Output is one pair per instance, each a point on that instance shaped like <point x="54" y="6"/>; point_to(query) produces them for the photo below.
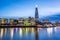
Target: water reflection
<point x="20" y="32"/>
<point x="52" y="33"/>
<point x="11" y="32"/>
<point x="16" y="33"/>
<point x="1" y="33"/>
<point x="49" y="31"/>
<point x="55" y="29"/>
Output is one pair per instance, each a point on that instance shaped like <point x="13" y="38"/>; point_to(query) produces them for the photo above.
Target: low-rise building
<point x="11" y="21"/>
<point x="56" y="24"/>
<point x="21" y="21"/>
<point x="3" y="21"/>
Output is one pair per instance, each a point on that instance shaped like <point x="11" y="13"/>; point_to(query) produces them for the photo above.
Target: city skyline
<point x="26" y="8"/>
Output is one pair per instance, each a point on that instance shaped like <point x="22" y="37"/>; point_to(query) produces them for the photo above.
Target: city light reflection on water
<point x="49" y="31"/>
<point x="14" y="32"/>
<point x="52" y="33"/>
<point x="11" y="32"/>
<point x="1" y="33"/>
<point x="20" y="32"/>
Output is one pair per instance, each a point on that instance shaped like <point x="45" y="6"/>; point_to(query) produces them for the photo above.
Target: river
<point x="52" y="33"/>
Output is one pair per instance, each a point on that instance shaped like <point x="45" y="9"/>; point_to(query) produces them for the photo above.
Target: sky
<point x="26" y="8"/>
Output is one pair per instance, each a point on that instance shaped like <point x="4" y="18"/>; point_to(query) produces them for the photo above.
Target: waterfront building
<point x="32" y="21"/>
<point x="0" y="21"/>
<point x="11" y="21"/>
<point x="21" y="21"/>
<point x="46" y="23"/>
<point x="15" y="22"/>
<point x="56" y="23"/>
<point x="3" y="21"/>
<point x="25" y="22"/>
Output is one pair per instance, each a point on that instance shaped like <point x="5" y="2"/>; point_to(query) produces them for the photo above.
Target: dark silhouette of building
<point x="36" y="13"/>
<point x="36" y="16"/>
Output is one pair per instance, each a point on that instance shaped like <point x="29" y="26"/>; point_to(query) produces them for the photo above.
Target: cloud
<point x="49" y="11"/>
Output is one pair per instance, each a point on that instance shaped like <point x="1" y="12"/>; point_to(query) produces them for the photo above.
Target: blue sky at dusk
<point x="26" y="8"/>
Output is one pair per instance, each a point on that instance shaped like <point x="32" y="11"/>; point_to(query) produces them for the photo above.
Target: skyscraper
<point x="36" y="13"/>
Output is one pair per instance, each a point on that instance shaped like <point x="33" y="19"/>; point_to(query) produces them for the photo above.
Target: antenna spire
<point x="36" y="5"/>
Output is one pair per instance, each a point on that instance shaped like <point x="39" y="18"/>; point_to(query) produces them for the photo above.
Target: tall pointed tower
<point x="36" y="13"/>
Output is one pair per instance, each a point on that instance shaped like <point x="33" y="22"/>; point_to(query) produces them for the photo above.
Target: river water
<point x="52" y="33"/>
